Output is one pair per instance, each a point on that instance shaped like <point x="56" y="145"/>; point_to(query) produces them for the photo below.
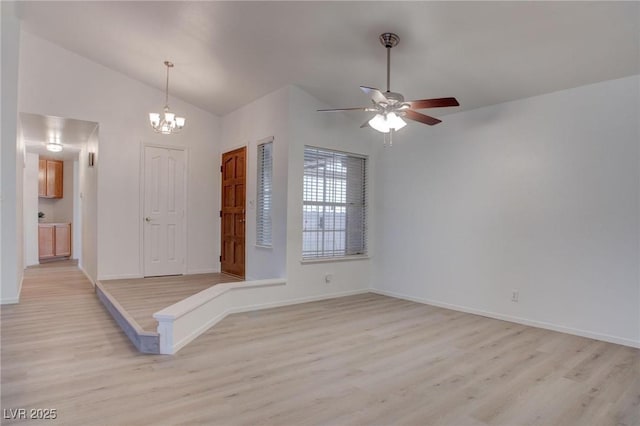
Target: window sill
<point x="262" y="247"/>
<point x="335" y="259"/>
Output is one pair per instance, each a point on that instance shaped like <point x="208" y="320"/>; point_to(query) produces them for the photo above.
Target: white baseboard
<point x="14" y="300"/>
<point x="288" y="302"/>
<point x="518" y="320"/>
<point x="197" y="332"/>
<point x="20" y="282"/>
<point x="86" y="275"/>
<point x="202" y="271"/>
<point x="213" y="321"/>
<point x="120" y="277"/>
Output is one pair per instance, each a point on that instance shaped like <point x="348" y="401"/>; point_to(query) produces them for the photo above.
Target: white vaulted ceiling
<point x="230" y="53"/>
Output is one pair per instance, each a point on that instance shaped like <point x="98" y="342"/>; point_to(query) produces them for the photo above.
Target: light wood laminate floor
<point x="143" y="297"/>
<point x="358" y="360"/>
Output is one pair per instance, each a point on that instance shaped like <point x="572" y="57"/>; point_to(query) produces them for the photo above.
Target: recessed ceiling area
<point x="38" y="129"/>
<point x="228" y="54"/>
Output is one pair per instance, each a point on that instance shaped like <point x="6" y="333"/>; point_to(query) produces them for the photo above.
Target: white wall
<point x="333" y="131"/>
<point x="88" y="206"/>
<point x="76" y="221"/>
<point x="539" y="195"/>
<point x="54" y="81"/>
<point x="31" y="209"/>
<point x="48" y="207"/>
<point x="289" y="115"/>
<point x="11" y="163"/>
<point x="267" y="116"/>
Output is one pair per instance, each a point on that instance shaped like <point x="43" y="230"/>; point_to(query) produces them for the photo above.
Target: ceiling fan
<point x="390" y="107"/>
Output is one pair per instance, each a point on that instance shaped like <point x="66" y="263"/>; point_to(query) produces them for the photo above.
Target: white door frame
<point x="143" y="147"/>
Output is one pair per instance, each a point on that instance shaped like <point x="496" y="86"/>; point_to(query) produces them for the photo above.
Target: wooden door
<point x="63" y="240"/>
<point x="164" y="210"/>
<point x="233" y="212"/>
<point x="46" y="239"/>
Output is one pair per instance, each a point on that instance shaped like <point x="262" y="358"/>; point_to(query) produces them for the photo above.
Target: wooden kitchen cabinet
<point x="46" y="241"/>
<point x="42" y="178"/>
<point x="54" y="240"/>
<point x="50" y="175"/>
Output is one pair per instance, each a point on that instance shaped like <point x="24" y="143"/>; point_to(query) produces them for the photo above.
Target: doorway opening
<point x="60" y="191"/>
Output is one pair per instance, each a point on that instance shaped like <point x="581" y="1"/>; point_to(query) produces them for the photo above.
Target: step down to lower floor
<point x="144" y="341"/>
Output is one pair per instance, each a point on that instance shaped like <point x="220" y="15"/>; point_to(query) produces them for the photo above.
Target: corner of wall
<point x="11" y="161"/>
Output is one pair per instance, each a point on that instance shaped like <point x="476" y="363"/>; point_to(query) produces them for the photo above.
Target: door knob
<point x="147" y="219"/>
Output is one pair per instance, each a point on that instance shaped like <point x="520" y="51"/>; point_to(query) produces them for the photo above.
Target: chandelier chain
<point x="166" y="91"/>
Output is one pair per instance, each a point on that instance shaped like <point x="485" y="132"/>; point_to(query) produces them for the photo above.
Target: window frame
<point x="361" y="213"/>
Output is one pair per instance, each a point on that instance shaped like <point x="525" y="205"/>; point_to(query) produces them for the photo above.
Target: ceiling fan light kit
<point x="387" y="123"/>
<point x="168" y="123"/>
<point x="390" y="107"/>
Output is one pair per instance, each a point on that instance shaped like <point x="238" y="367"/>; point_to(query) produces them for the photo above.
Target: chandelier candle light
<point x="169" y="123"/>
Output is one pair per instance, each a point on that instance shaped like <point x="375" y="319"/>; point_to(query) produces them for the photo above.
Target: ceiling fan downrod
<point x="389" y="40"/>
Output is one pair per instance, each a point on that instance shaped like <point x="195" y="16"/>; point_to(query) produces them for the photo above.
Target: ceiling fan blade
<point x="434" y="103"/>
<point x="416" y="116"/>
<point x="347" y="109"/>
<point x="375" y="94"/>
<point x="365" y="124"/>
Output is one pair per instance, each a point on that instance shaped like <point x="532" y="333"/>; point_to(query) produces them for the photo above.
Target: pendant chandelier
<point x="169" y="123"/>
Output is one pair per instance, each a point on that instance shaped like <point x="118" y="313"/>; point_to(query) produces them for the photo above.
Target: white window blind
<point x="264" y="194"/>
<point x="334" y="204"/>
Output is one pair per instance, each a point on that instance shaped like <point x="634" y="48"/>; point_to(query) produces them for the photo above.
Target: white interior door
<point x="164" y="204"/>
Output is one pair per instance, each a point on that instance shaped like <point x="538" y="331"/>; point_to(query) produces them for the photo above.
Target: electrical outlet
<point x="514" y="295"/>
<point x="328" y="278"/>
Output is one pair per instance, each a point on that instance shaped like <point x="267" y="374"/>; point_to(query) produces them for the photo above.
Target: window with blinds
<point x="334" y="204"/>
<point x="263" y="202"/>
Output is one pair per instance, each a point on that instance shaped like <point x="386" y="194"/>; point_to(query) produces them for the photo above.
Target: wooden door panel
<point x="228" y="168"/>
<point x="238" y="224"/>
<point x="46" y="238"/>
<point x="227" y="252"/>
<point x="63" y="240"/>
<point x="233" y="212"/>
<point x="42" y="178"/>
<point x="239" y="254"/>
<point x="239" y="195"/>
<point x="227" y="224"/>
<point x="54" y="179"/>
<point x="228" y="196"/>
<point x="239" y="167"/>
<point x="57" y="191"/>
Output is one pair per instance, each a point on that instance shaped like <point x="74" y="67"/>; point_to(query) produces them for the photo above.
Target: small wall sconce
<point x="92" y="159"/>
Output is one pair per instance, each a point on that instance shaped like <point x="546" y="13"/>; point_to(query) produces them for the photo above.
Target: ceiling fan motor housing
<point x="394" y="97"/>
<point x="389" y="40"/>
